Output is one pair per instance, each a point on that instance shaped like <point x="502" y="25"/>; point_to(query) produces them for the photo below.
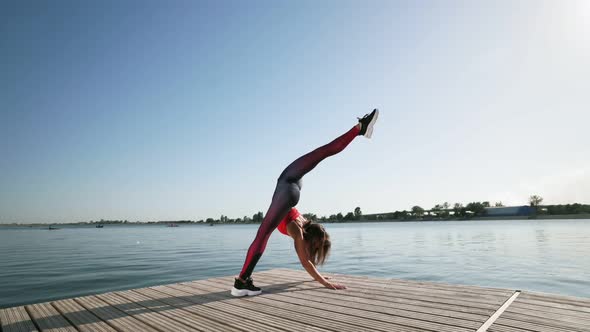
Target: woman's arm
<point x="297" y="235"/>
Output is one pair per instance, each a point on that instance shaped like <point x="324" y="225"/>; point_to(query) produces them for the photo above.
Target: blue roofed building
<point x="506" y="211"/>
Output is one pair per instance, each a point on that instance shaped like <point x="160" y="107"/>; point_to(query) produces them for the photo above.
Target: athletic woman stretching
<point x="312" y="243"/>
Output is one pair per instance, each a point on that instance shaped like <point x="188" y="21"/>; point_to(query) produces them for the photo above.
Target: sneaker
<point x="245" y="288"/>
<point x="367" y="122"/>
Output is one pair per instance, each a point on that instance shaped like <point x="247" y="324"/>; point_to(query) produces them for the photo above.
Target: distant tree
<point x="477" y="208"/>
<point x="486" y="204"/>
<point x="210" y="220"/>
<point x="535" y="200"/>
<point x="446" y="205"/>
<point x="498" y="204"/>
<point x="437" y="210"/>
<point x="333" y="217"/>
<point x="339" y="216"/>
<point x="458" y="210"/>
<point x="400" y="215"/>
<point x="310" y="216"/>
<point x="349" y="216"/>
<point x="257" y="217"/>
<point x="358" y="214"/>
<point x="417" y="211"/>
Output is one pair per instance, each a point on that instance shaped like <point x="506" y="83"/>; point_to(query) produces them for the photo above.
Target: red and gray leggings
<point x="286" y="195"/>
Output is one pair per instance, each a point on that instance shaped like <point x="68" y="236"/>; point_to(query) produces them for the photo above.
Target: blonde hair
<point x="317" y="242"/>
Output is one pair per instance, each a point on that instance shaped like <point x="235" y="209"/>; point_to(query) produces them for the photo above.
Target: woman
<point x="312" y="243"/>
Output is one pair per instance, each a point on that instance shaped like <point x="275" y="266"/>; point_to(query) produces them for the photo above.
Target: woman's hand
<point x="332" y="285"/>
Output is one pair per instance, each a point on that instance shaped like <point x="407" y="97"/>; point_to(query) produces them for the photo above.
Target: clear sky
<point x="163" y="110"/>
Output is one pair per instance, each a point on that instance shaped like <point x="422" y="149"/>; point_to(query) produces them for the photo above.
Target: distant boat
<point x="52" y="228"/>
<point x="172" y="225"/>
<point x="99" y="226"/>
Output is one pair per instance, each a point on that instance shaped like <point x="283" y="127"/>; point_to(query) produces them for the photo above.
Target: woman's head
<point x="318" y="243"/>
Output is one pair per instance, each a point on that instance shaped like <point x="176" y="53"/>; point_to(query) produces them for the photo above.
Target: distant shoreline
<point x="538" y="217"/>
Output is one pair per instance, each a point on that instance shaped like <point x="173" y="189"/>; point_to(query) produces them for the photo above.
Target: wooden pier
<point x="292" y="302"/>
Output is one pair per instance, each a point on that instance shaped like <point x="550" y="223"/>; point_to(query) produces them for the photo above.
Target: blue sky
<point x="145" y="110"/>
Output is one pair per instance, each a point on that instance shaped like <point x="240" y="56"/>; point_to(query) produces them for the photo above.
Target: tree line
<point x="443" y="211"/>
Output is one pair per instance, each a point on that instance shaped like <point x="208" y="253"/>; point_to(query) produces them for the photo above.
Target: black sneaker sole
<point x="369" y="131"/>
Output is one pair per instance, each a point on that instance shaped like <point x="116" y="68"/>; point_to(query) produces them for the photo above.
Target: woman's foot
<point x="243" y="288"/>
<point x="367" y="122"/>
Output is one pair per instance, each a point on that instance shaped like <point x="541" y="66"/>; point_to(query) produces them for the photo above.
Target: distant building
<point x="507" y="211"/>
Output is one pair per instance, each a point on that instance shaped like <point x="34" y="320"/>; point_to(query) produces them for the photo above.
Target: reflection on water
<point x="548" y="256"/>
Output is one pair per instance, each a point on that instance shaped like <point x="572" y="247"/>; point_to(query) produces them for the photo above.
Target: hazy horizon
<point x="189" y="110"/>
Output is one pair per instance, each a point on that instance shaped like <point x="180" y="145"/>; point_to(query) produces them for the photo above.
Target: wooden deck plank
<point x="417" y="284"/>
<point x="492" y="299"/>
<point x="390" y="301"/>
<point x="324" y="320"/>
<point x="48" y="319"/>
<point x="113" y="316"/>
<point x="224" y="299"/>
<point x="238" y="312"/>
<point x="551" y="321"/>
<point x="397" y="301"/>
<point x="472" y="303"/>
<point x="556" y="302"/>
<point x="583" y="302"/>
<point x="292" y="301"/>
<point x="16" y="319"/>
<point x="81" y="318"/>
<point x="149" y="317"/>
<point x="356" y="319"/>
<point x="545" y="313"/>
<point x="359" y="314"/>
<point x="518" y="309"/>
<point x="368" y="284"/>
<point x="199" y="322"/>
<point x="178" y="301"/>
<point x="307" y="291"/>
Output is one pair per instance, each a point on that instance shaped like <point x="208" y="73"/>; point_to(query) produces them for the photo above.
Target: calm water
<point x="549" y="256"/>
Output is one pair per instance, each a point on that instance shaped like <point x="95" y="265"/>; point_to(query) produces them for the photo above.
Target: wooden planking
<point x="320" y="313"/>
<point x="178" y="301"/>
<point x="356" y="300"/>
<point x="483" y="302"/>
<point x="416" y="303"/>
<point x="16" y="319"/>
<point x="239" y="314"/>
<point x="351" y="307"/>
<point x="114" y="317"/>
<point x="321" y="319"/>
<point x="48" y="319"/>
<point x="399" y="300"/>
<point x="291" y="300"/>
<point x="84" y="320"/>
<point x="357" y="315"/>
<point x="147" y="316"/>
<point x="583" y="302"/>
<point x="478" y="290"/>
<point x="492" y="299"/>
<point x="550" y="303"/>
<point x="420" y="295"/>
<point x="545" y="313"/>
<point x="201" y="323"/>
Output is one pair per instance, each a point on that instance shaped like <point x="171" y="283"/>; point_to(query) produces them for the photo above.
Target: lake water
<point x="39" y="265"/>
